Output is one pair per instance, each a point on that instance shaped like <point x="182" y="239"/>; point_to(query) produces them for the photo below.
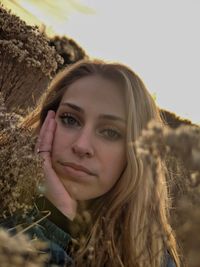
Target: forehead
<point x="96" y="91"/>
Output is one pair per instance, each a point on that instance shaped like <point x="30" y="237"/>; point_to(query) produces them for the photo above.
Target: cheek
<point x="114" y="164"/>
<point x="60" y="142"/>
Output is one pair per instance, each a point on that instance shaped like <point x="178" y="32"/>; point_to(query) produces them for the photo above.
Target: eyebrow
<point x="103" y="116"/>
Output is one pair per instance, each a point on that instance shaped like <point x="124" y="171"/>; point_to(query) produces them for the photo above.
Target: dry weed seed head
<point x="183" y="142"/>
<point x="70" y="50"/>
<point x="26" y="43"/>
<point x="21" y="170"/>
<point x="19" y="251"/>
<point x="27" y="61"/>
<point x="182" y="147"/>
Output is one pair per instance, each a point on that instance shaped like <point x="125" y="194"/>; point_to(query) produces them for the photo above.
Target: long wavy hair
<point x="130" y="224"/>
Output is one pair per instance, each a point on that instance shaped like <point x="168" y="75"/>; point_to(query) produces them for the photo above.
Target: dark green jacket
<point x="52" y="230"/>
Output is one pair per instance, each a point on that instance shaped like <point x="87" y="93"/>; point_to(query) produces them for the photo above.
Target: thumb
<point x="56" y="192"/>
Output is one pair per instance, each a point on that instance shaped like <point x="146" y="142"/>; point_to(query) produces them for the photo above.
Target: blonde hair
<point x="130" y="222"/>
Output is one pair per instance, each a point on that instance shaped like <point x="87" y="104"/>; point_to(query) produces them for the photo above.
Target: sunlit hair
<point x="130" y="222"/>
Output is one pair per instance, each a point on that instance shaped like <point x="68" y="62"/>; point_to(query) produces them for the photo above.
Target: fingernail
<point x="51" y="113"/>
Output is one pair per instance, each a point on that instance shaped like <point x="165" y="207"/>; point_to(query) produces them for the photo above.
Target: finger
<point x="50" y="115"/>
<point x="57" y="194"/>
<point x="47" y="140"/>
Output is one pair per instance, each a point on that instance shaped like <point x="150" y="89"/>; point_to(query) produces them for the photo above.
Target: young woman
<point x="89" y="120"/>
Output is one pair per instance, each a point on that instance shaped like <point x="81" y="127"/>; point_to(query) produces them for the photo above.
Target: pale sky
<point x="159" y="39"/>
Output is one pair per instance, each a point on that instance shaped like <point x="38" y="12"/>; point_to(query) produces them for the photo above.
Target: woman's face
<point x="88" y="152"/>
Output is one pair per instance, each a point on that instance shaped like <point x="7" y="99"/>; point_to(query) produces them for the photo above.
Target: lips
<point x="78" y="168"/>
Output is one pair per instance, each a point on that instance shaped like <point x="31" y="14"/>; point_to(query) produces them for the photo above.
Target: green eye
<point x="69" y="120"/>
<point x="111" y="134"/>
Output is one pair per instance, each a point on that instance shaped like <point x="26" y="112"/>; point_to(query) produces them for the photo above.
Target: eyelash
<point x="67" y="116"/>
<point x="116" y="136"/>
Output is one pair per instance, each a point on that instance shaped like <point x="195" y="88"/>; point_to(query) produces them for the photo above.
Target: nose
<point x="82" y="146"/>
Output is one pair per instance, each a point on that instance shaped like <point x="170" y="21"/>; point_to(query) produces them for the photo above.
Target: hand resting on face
<point x="54" y="191"/>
